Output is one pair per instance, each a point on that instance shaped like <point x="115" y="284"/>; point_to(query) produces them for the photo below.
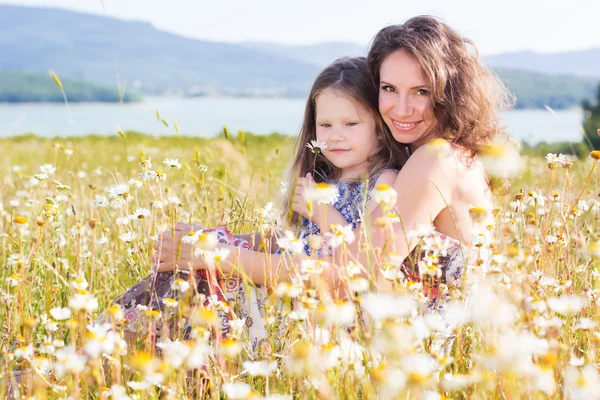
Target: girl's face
<point x="349" y="130"/>
<point x="405" y="99"/>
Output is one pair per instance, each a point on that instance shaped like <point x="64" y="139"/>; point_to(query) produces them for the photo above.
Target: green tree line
<point x="23" y="87"/>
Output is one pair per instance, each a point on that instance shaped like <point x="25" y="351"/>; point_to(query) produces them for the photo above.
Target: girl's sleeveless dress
<point x="248" y="303"/>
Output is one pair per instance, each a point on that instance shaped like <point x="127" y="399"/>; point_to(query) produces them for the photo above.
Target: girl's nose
<point x="336" y="136"/>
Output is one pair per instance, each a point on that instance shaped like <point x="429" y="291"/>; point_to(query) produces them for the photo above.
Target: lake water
<point x="205" y="117"/>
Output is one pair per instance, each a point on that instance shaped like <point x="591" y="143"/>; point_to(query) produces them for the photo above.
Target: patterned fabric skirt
<point x="228" y="295"/>
<point x="451" y="265"/>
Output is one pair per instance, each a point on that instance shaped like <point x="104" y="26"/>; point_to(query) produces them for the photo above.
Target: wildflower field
<point x="78" y="218"/>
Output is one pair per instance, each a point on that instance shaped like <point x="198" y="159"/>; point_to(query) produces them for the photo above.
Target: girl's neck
<point x="353" y="174"/>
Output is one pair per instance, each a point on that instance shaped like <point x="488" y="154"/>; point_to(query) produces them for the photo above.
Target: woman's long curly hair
<point x="466" y="96"/>
<point x="349" y="77"/>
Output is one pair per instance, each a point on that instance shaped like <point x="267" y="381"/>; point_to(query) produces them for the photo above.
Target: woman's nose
<point x="402" y="107"/>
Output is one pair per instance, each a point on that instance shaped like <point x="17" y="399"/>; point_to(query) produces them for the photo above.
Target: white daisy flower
<point x="173" y="163"/>
<point x="317" y="147"/>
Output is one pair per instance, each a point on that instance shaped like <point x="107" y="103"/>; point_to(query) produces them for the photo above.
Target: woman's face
<point x="405" y="99"/>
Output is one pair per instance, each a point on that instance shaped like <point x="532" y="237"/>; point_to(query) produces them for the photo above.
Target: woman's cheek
<point x="384" y="103"/>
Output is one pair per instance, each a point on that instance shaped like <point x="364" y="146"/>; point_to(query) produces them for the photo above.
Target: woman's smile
<point x="404" y="126"/>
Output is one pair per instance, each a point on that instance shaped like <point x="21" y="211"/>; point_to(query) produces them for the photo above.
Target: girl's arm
<point x="255" y="238"/>
<point x="423" y="187"/>
<point x="260" y="268"/>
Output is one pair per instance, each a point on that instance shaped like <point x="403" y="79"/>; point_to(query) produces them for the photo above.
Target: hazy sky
<point x="495" y="26"/>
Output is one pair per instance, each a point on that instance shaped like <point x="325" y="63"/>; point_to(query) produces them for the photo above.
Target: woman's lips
<point x="404" y="126"/>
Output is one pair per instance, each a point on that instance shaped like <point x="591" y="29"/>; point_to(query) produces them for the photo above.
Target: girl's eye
<point x="422" y="92"/>
<point x="388" y="88"/>
<point x="326" y="125"/>
<point x="351" y="124"/>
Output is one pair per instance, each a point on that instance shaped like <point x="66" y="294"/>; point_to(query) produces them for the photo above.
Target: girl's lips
<point x="404" y="126"/>
<point x="338" y="150"/>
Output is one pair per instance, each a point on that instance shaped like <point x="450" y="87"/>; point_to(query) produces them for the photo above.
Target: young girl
<point x="356" y="153"/>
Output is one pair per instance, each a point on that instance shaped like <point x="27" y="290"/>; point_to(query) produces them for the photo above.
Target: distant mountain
<point x="584" y="62"/>
<point x="92" y="48"/>
<point x="531" y="89"/>
<point x="27" y="87"/>
<point x="536" y="90"/>
<point x="320" y="54"/>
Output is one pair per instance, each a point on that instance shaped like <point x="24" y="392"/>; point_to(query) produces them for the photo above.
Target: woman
<point x="436" y="97"/>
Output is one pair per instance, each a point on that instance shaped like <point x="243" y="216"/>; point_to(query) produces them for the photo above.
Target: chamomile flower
<point x="567" y="305"/>
<point x="290" y="243"/>
<point x="83" y="301"/>
<point x="237" y="390"/>
<point x="128" y="237"/>
<point x="313" y="266"/>
<point x="384" y="306"/>
<point x="385" y="195"/>
<point x="173" y="163"/>
<point x="317" y="147"/>
<point x="339" y="234"/>
<point x="582" y="383"/>
<point x="180" y="285"/>
<point x="502" y="159"/>
<point x="169" y="302"/>
<point x="216" y="256"/>
<point x="120" y="190"/>
<point x="322" y="193"/>
<point x="204" y="240"/>
<point x="140" y="213"/>
<point x="47" y="169"/>
<point x="60" y="314"/>
<point x="260" y="368"/>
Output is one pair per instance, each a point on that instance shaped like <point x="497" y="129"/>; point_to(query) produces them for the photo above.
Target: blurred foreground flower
<point x="322" y="193"/>
<point x="384" y="195"/>
<point x="566" y="305"/>
<point x="501" y="159"/>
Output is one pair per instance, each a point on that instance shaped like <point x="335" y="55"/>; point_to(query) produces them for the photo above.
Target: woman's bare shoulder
<point x="439" y="156"/>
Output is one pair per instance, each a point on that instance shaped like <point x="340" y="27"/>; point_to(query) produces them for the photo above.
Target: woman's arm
<point x="424" y="188"/>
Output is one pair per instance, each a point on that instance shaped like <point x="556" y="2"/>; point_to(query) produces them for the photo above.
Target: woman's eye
<point x="388" y="88"/>
<point x="422" y="92"/>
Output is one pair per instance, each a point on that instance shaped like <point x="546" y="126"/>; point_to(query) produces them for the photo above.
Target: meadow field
<point x="78" y="218"/>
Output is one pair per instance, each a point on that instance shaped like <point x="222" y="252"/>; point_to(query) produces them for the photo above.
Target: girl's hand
<point x="172" y="253"/>
<point x="183" y="227"/>
<point x="299" y="205"/>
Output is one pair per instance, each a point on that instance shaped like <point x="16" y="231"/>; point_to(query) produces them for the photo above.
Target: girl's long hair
<point x="349" y="77"/>
<point x="466" y="96"/>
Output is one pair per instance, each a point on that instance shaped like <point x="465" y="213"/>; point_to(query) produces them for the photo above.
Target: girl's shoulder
<point x="386" y="177"/>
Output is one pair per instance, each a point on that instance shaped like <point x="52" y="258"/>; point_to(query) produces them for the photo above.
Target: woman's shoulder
<point x="440" y="153"/>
